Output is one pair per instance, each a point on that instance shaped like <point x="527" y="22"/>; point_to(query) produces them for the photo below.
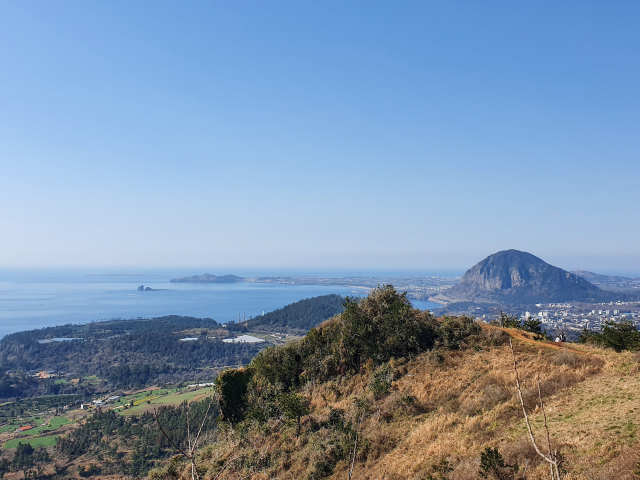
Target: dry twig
<point x="552" y="459"/>
<point x="191" y="450"/>
<point x="355" y="447"/>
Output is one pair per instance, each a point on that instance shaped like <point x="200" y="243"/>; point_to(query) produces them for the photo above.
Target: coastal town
<point x="574" y="318"/>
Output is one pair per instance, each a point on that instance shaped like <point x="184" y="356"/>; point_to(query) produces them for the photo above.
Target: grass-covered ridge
<point x="426" y="398"/>
<point x="371" y="337"/>
<point x="370" y="332"/>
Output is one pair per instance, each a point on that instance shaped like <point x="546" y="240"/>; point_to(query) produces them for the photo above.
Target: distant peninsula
<point x="417" y="288"/>
<point x="208" y="278"/>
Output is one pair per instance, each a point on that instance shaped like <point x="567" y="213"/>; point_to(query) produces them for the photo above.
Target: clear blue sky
<point x="328" y="135"/>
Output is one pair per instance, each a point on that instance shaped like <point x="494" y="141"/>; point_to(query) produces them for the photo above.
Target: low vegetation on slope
<point x="384" y="391"/>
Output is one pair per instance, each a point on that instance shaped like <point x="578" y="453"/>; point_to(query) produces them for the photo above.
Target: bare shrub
<point x="472" y="341"/>
<point x="496" y="394"/>
<point x="565" y="357"/>
<point x="380" y="441"/>
<point x="549" y="386"/>
<point x="494" y="337"/>
<point x="523" y="453"/>
<point x="393" y="476"/>
<point x="552" y="458"/>
<point x="435" y="356"/>
<point x="490" y="397"/>
<point x="465" y="470"/>
<point x="559" y="381"/>
<point x="472" y="406"/>
<point x="494" y="380"/>
<point x="451" y="406"/>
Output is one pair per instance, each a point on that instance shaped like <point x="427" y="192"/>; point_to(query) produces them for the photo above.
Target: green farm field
<point x="157" y="400"/>
<point x="52" y="425"/>
<point x="48" y="441"/>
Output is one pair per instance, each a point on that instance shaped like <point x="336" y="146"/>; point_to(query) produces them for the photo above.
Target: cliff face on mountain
<point x="515" y="277"/>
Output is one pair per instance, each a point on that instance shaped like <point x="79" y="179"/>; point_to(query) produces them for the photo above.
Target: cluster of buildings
<point x="100" y="402"/>
<point x="41" y="374"/>
<point x="565" y="317"/>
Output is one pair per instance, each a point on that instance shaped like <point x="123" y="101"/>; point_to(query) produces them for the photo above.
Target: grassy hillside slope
<point x="443" y="409"/>
<point x="464" y="402"/>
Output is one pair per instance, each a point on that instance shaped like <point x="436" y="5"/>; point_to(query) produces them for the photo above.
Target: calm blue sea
<point x="35" y="299"/>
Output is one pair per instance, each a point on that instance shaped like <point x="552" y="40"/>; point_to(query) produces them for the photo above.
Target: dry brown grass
<point x="463" y="402"/>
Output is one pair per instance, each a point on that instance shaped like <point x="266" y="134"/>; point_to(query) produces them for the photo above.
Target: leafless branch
<point x="544" y="415"/>
<point x="190" y="453"/>
<point x="155" y="413"/>
<point x="195" y="443"/>
<point x="188" y="431"/>
<point x="355" y="447"/>
<point x="553" y="463"/>
<point x="224" y="467"/>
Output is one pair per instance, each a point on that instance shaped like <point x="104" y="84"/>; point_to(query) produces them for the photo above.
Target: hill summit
<point x="514" y="277"/>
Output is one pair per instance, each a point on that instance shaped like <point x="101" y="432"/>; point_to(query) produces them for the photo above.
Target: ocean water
<point x="36" y="299"/>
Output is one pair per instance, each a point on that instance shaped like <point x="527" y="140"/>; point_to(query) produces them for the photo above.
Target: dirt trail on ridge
<point x="523" y="337"/>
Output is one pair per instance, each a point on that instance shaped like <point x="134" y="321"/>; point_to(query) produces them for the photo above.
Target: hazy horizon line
<point x="249" y="272"/>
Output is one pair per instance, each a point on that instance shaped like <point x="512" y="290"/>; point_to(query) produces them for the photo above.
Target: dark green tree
<point x="381" y="326"/>
<point x="508" y="321"/>
<point x="492" y="463"/>
<point x="622" y="335"/>
<point x="442" y="470"/>
<point x="294" y="407"/>
<point x="532" y="325"/>
<point x="232" y="385"/>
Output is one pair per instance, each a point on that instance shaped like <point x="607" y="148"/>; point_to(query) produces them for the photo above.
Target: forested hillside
<point x="123" y="353"/>
<point x="299" y="316"/>
<point x="109" y="443"/>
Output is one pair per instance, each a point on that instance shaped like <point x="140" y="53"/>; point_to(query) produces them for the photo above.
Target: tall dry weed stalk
<point x="191" y="444"/>
<point x="551" y="458"/>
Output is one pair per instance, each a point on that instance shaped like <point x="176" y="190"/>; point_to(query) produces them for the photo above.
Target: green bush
<point x="90" y="471"/>
<point x="369" y="333"/>
<point x="262" y="400"/>
<point x="506" y="320"/>
<point x="336" y="418"/>
<point x="619" y="336"/>
<point x="492" y="463"/>
<point x="280" y="366"/>
<point x="453" y="330"/>
<point x="532" y="325"/>
<point x="380" y="383"/>
<point x="294" y="407"/>
<point x="442" y="470"/>
<point x="377" y="328"/>
<point x="232" y="386"/>
<point x="381" y="326"/>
